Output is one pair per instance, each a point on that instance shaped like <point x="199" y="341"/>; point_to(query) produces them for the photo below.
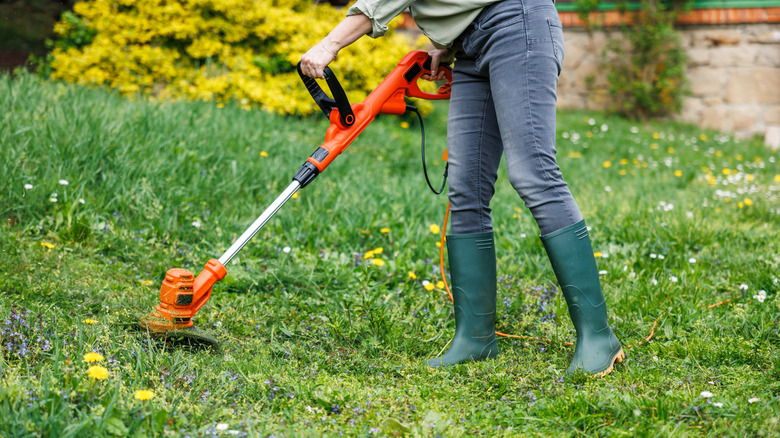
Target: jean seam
<point x="482" y="226"/>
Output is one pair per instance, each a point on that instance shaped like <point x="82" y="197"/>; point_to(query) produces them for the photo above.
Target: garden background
<point x="327" y="316"/>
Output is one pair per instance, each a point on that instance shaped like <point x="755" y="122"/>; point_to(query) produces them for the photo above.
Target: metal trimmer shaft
<point x="259" y="222"/>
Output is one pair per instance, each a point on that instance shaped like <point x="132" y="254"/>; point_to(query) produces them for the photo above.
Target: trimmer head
<point x="181" y="296"/>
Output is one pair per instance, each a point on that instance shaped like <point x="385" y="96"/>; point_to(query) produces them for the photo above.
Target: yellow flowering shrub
<point x="243" y="51"/>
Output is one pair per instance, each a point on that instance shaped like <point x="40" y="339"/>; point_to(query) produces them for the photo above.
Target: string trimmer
<point x="182" y="294"/>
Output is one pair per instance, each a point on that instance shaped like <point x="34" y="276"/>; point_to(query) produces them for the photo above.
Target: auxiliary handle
<point x="326" y="104"/>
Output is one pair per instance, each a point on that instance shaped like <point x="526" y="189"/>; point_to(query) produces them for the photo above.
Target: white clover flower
<point x="706" y="394"/>
<point x="196" y="224"/>
<point x="63" y="182"/>
<point x="286" y="249"/>
<point x="28" y="186"/>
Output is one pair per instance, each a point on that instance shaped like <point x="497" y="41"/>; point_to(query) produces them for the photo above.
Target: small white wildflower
<point x="706" y="394"/>
<point x="523" y="235"/>
<point x="752" y="400"/>
<point x="53" y="199"/>
<point x="743" y="287"/>
<point x="607" y="188"/>
<point x="661" y="257"/>
<point x="718" y="405"/>
<point x="761" y="296"/>
<point x="63" y="182"/>
<point x="673" y="279"/>
<point x="602" y="272"/>
<point x="654" y="282"/>
<point x="286" y="249"/>
<point x="604" y="127"/>
<point x="691" y="260"/>
<point x="689" y="214"/>
<point x="565" y="135"/>
<point x="653" y="255"/>
<point x="234" y="432"/>
<point x="425" y="283"/>
<point x="591" y="122"/>
<point x="222" y="426"/>
<point x="655" y="358"/>
<point x="82" y="201"/>
<point x="634" y="130"/>
<point x="28" y="186"/>
<point x="196" y="224"/>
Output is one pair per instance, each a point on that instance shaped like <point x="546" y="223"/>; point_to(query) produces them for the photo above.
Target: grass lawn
<point x="99" y="196"/>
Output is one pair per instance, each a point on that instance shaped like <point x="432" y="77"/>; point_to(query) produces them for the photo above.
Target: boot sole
<point x="617" y="359"/>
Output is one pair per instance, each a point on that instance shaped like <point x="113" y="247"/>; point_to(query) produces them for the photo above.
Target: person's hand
<point x="314" y="61"/>
<point x="438" y="56"/>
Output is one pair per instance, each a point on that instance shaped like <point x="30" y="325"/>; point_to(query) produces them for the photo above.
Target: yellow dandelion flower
<point x="703" y="137"/>
<point x="750" y="177"/>
<point x="623" y="161"/>
<point x="777" y="178"/>
<point x="438" y="244"/>
<point x="295" y="195"/>
<point x="47" y="245"/>
<point x="412" y="275"/>
<point x="384" y="230"/>
<point x="757" y="159"/>
<point x="143" y="394"/>
<point x="93" y="357"/>
<point x="589" y="134"/>
<point x="607" y="164"/>
<point x="678" y="173"/>
<point x="97" y="372"/>
<point x="146" y="283"/>
<point x="429" y="286"/>
<point x="748" y="202"/>
<point x="656" y="135"/>
<point x="739" y="157"/>
<point x="378" y="262"/>
<point x="654" y="146"/>
<point x="435" y="229"/>
<point x="597" y="254"/>
<point x="378" y="251"/>
<point x="670" y="150"/>
<point x="263" y="154"/>
<point x="740" y="204"/>
<point x="89" y="321"/>
<point x="575" y="154"/>
<point x="726" y="171"/>
<point x="440" y="284"/>
<point x="368" y="255"/>
<point x="405" y="125"/>
<point x="622" y="172"/>
<point x="718" y="154"/>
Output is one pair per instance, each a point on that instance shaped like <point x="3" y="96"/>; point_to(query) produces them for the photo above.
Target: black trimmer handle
<point x="326" y="104"/>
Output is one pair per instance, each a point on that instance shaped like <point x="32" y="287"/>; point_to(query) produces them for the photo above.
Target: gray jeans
<point x="503" y="101"/>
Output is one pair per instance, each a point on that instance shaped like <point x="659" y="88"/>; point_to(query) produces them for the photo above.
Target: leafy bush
<point x="646" y="65"/>
<point x="224" y="50"/>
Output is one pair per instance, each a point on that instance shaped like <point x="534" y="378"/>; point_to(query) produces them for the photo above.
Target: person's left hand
<point x="438" y="57"/>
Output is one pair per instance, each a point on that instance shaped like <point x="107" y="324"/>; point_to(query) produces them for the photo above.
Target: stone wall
<point x="733" y="73"/>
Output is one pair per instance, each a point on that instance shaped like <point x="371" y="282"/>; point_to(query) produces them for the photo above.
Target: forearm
<point x="349" y="30"/>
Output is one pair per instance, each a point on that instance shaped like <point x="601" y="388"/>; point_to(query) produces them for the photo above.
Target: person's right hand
<point x="438" y="56"/>
<point x="314" y="61"/>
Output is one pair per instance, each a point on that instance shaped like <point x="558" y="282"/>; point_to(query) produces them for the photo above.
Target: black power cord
<point x="422" y="151"/>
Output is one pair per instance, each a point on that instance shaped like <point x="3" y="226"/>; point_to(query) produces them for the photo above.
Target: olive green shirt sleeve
<point x="380" y="12"/>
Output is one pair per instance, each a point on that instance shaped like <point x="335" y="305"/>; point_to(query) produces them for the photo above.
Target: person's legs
<point x="522" y="57"/>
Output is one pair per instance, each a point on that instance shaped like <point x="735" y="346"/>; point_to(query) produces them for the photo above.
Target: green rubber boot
<point x="473" y="269"/>
<point x="571" y="255"/>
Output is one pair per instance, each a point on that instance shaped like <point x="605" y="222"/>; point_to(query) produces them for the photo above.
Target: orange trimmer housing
<point x="182" y="294"/>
